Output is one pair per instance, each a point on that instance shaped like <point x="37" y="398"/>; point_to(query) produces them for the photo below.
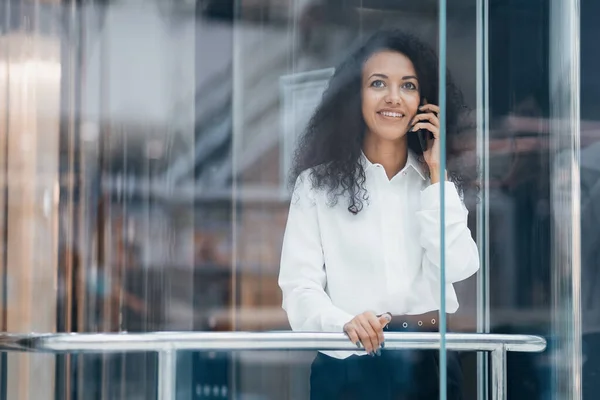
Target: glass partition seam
<point x="4" y="135"/>
<point x="442" y="117"/>
<point x="83" y="212"/>
<point x="102" y="214"/>
<point x="237" y="116"/>
<point x="237" y="126"/>
<point x="4" y="195"/>
<point x="70" y="90"/>
<point x="482" y="106"/>
<point x="70" y="102"/>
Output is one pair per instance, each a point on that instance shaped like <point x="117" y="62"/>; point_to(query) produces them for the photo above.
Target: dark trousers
<point x="591" y="366"/>
<point x="395" y="375"/>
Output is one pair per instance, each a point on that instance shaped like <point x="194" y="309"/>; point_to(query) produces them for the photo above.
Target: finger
<point x="427" y="117"/>
<point x="428" y="126"/>
<point x="350" y="331"/>
<point x="366" y="334"/>
<point x="372" y="333"/>
<point x="430" y="107"/>
<point x="378" y="328"/>
<point x="364" y="338"/>
<point x="385" y="319"/>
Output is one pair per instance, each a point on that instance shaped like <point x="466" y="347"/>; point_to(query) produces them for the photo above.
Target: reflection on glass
<point x="145" y="156"/>
<point x="589" y="190"/>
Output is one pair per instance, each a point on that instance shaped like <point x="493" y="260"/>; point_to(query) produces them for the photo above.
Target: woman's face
<point x="390" y="95"/>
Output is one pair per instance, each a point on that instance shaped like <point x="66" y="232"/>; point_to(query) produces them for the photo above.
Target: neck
<point x="392" y="155"/>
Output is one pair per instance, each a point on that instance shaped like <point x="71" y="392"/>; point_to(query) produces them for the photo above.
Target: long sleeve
<point x="302" y="275"/>
<point x="462" y="257"/>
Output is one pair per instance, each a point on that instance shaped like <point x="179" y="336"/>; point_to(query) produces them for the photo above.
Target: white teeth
<point x="392" y="114"/>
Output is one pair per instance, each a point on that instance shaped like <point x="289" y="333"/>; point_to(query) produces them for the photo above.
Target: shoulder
<point x="309" y="179"/>
<point x="304" y="191"/>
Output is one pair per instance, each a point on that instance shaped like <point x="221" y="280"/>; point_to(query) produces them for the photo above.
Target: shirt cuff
<point x="430" y="196"/>
<point x="336" y="320"/>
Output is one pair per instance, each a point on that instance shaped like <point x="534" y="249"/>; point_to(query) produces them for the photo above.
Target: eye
<point x="378" y="83"/>
<point x="409" y="86"/>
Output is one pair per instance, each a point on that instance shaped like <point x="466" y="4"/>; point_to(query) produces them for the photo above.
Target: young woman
<point x="361" y="250"/>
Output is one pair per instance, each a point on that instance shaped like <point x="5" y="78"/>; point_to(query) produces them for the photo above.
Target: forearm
<point x="461" y="255"/>
<point x="312" y="310"/>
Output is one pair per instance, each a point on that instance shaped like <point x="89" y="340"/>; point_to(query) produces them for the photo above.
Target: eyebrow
<point x="386" y="77"/>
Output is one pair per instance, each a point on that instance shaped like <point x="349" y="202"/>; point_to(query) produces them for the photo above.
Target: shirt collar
<point x="411" y="161"/>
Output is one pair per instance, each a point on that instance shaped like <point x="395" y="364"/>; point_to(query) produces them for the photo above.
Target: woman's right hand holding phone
<point x="366" y="330"/>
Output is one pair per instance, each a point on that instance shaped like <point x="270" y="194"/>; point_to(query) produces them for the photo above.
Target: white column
<point x="30" y="76"/>
<point x="565" y="196"/>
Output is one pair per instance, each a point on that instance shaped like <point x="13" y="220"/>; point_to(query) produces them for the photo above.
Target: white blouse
<point x="336" y="265"/>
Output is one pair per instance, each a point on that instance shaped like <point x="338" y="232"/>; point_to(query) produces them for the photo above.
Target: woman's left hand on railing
<point x="366" y="330"/>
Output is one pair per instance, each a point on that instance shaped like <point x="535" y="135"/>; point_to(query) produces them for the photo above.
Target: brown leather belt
<point x="428" y="322"/>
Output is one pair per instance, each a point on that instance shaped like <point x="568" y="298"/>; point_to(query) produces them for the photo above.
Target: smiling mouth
<point x="391" y="114"/>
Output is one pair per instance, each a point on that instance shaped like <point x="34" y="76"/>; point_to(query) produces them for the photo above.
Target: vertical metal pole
<point x="167" y="375"/>
<point x="442" y="115"/>
<point x="499" y="373"/>
<point x="564" y="70"/>
<point x="483" y="140"/>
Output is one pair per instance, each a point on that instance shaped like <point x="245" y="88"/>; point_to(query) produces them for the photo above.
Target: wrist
<point x="434" y="175"/>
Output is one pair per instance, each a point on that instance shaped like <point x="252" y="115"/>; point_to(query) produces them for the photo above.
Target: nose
<point x="392" y="96"/>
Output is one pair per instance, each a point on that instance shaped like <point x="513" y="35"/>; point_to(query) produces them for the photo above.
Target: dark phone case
<point x="423" y="135"/>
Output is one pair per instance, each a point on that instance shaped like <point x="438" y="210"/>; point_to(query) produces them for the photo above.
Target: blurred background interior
<point x="144" y="150"/>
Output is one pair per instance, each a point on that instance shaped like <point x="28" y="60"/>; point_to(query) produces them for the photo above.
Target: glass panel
<point x="530" y="198"/>
<point x="146" y="153"/>
<point x="589" y="191"/>
<point x="518" y="190"/>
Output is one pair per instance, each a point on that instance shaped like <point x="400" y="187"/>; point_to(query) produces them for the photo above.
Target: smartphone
<point x="423" y="134"/>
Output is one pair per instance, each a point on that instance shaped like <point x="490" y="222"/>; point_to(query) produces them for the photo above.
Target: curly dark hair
<point x="332" y="143"/>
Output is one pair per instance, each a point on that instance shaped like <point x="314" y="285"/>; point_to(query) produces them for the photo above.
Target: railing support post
<point x="499" y="373"/>
<point x="167" y="374"/>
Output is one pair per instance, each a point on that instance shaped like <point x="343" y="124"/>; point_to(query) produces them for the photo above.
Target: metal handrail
<point x="168" y="343"/>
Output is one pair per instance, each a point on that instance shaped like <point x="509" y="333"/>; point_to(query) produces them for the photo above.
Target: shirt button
<point x="404" y="173"/>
